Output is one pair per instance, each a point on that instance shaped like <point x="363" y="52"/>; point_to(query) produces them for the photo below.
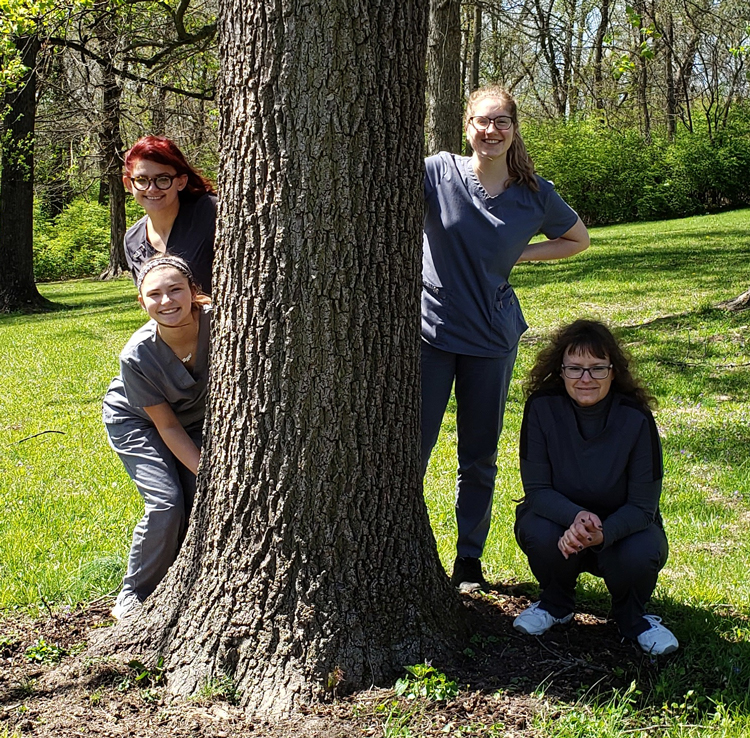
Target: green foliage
<point x="426" y="682"/>
<point x="45" y="653"/>
<point x="610" y="176"/>
<point x="75" y="244"/>
<point x="143" y="676"/>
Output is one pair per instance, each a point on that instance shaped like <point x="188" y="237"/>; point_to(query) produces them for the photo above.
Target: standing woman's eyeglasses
<point x="482" y="122"/>
<point x="162" y="182"/>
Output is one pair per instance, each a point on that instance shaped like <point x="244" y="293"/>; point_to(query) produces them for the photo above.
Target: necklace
<point x="187" y="358"/>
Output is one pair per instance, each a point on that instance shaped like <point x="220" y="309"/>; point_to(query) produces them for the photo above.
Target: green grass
<point x="69" y="508"/>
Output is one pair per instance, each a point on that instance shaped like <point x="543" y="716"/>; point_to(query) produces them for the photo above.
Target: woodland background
<point x="636" y="111"/>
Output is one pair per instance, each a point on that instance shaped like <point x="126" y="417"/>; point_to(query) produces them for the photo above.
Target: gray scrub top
<point x="471" y="243"/>
<point x="151" y="374"/>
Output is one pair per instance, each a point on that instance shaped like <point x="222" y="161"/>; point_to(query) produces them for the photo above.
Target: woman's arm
<point x="174" y="435"/>
<point x="573" y="241"/>
<point x="536" y="472"/>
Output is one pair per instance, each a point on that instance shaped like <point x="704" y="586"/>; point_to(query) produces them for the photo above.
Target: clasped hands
<point x="585" y="531"/>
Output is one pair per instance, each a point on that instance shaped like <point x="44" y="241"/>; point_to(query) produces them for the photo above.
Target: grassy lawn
<point x="69" y="508"/>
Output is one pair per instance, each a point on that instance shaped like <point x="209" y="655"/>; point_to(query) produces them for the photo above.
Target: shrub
<point x="612" y="176"/>
<point x="75" y="244"/>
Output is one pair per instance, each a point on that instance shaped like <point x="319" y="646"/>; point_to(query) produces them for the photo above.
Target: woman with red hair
<point x="180" y="207"/>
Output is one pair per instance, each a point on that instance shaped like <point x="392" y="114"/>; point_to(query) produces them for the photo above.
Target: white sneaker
<point x="534" y="620"/>
<point x="657" y="640"/>
<point x="126" y="603"/>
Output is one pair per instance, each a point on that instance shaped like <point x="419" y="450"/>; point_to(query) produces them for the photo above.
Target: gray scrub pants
<point x="629" y="567"/>
<point x="168" y="490"/>
<point x="481" y="387"/>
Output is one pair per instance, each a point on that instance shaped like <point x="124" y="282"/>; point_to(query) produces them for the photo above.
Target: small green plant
<point x="45" y="653"/>
<point x="145" y="676"/>
<point x="219" y="689"/>
<point x="26" y="686"/>
<point x="425" y="681"/>
<point x="7" y="643"/>
<point x="141" y="675"/>
<point x="396" y="723"/>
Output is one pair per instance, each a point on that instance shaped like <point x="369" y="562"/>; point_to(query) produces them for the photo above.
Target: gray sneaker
<point x="534" y="620"/>
<point x="127" y="603"/>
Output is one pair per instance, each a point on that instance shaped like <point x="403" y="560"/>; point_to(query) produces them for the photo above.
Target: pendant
<point x="187" y="358"/>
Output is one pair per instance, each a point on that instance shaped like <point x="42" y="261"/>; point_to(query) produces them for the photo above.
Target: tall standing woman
<point x="481" y="213"/>
<point x="180" y="207"/>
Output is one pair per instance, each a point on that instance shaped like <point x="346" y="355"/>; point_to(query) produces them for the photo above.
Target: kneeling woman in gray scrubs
<point x="591" y="467"/>
<point x="154" y="414"/>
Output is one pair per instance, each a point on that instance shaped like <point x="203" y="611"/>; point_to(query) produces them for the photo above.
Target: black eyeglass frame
<point x="149" y="180"/>
<point x="583" y="369"/>
<point x="493" y="121"/>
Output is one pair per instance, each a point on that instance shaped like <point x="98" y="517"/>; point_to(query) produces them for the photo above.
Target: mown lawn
<point x="69" y="508"/>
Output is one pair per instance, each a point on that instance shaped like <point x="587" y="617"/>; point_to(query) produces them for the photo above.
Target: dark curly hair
<point x="595" y="338"/>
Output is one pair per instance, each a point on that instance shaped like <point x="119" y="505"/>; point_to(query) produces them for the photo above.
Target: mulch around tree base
<point x="501" y="675"/>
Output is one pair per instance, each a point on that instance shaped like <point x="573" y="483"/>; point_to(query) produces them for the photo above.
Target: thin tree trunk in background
<point x="601" y="32"/>
<point x="443" y="123"/>
<point x="309" y="566"/>
<point x="476" y="51"/>
<point x="18" y="289"/>
<point x="110" y="139"/>
<point x="642" y="74"/>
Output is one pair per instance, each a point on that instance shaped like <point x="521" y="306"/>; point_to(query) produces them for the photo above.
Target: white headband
<point x="163" y="261"/>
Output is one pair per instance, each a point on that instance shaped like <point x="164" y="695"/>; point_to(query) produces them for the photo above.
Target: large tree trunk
<point x="17" y="287"/>
<point x="444" y="103"/>
<point x="309" y="566"/>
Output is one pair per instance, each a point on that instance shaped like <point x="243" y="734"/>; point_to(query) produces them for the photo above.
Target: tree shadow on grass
<point x="587" y="660"/>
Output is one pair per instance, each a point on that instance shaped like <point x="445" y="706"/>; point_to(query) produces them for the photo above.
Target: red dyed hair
<point x="164" y="151"/>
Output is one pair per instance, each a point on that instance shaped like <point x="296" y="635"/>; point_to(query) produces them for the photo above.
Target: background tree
<point x="17" y="287"/>
<point x="309" y="565"/>
<point x="443" y="127"/>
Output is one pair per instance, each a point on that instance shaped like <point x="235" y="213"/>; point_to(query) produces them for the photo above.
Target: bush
<point x="612" y="176"/>
<point x="75" y="244"/>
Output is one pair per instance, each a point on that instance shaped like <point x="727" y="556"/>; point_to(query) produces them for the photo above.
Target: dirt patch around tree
<point x="49" y="687"/>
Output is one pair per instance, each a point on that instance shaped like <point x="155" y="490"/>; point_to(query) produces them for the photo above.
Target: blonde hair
<point x="520" y="165"/>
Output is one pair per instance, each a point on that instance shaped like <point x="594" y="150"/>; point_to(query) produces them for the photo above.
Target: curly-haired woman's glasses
<point x="595" y="372"/>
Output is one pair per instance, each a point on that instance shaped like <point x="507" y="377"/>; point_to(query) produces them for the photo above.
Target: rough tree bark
<point x="309" y="566"/>
<point x="17" y="287"/>
<point x="741" y="302"/>
<point x="444" y="102"/>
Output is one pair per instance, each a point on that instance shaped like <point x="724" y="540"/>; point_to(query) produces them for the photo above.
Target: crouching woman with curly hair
<point x="591" y="467"/>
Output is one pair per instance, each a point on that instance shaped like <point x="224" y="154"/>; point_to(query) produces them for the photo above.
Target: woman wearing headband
<point x="180" y="207"/>
<point x="153" y="413"/>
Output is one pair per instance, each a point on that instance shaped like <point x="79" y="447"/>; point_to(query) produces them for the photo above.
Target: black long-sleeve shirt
<point x="191" y="238"/>
<point x="616" y="473"/>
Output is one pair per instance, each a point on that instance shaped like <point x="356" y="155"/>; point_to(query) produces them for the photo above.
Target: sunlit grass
<point x="69" y="508"/>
